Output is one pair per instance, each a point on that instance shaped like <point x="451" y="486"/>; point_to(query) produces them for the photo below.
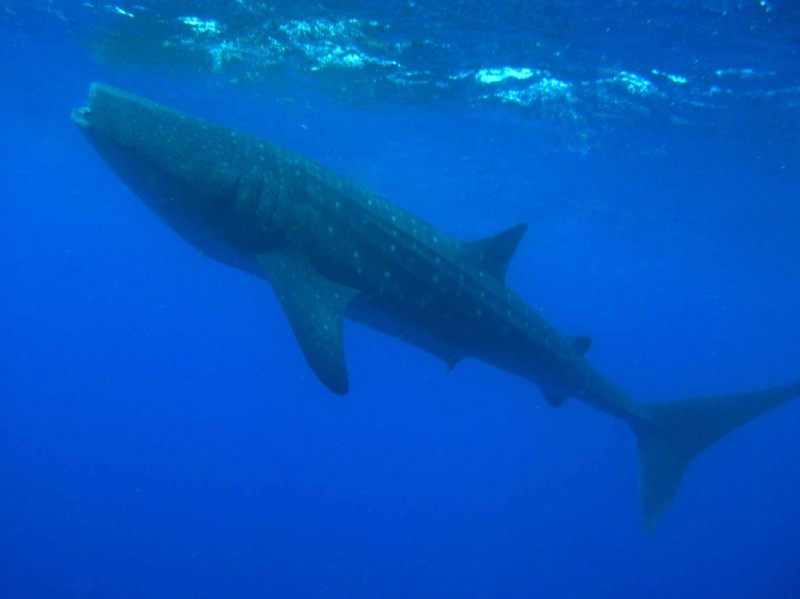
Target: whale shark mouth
<point x="80" y="116"/>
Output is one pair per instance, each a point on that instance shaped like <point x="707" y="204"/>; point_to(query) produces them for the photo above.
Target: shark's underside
<point x="332" y="250"/>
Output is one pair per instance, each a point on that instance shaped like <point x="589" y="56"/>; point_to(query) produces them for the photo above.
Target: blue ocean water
<point x="160" y="433"/>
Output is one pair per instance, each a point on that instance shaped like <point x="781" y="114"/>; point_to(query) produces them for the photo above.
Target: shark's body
<point x="331" y="249"/>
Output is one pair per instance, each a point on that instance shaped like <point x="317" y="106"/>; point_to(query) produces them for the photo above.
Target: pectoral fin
<point x="315" y="308"/>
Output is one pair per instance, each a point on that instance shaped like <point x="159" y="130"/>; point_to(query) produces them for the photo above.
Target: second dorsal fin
<point x="582" y="343"/>
<point x="493" y="254"/>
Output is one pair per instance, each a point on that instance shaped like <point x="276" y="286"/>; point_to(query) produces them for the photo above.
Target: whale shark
<point x="332" y="249"/>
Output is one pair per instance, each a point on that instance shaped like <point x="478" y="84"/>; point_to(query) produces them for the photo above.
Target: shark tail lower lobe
<point x="677" y="432"/>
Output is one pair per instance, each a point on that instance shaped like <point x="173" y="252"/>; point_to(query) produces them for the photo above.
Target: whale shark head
<point x="80" y="116"/>
<point x="129" y="134"/>
<point x="199" y="177"/>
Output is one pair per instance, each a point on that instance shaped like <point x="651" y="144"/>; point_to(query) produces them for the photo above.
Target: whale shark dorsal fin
<point x="315" y="308"/>
<point x="493" y="254"/>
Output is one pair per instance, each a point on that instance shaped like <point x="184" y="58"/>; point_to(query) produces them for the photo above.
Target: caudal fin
<point x="679" y="431"/>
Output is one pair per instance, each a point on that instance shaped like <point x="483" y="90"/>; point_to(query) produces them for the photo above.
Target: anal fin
<point x="554" y="396"/>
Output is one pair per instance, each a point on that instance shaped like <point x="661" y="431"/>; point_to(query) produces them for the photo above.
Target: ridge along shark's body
<point x="331" y="249"/>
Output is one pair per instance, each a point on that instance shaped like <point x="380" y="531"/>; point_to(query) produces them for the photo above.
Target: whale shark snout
<point x="80" y="116"/>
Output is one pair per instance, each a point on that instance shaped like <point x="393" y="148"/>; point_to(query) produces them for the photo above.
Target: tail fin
<point x="679" y="431"/>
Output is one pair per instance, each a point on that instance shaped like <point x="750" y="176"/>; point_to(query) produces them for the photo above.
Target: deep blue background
<point x="161" y="436"/>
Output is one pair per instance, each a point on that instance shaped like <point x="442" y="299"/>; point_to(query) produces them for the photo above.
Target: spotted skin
<point x="332" y="249"/>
